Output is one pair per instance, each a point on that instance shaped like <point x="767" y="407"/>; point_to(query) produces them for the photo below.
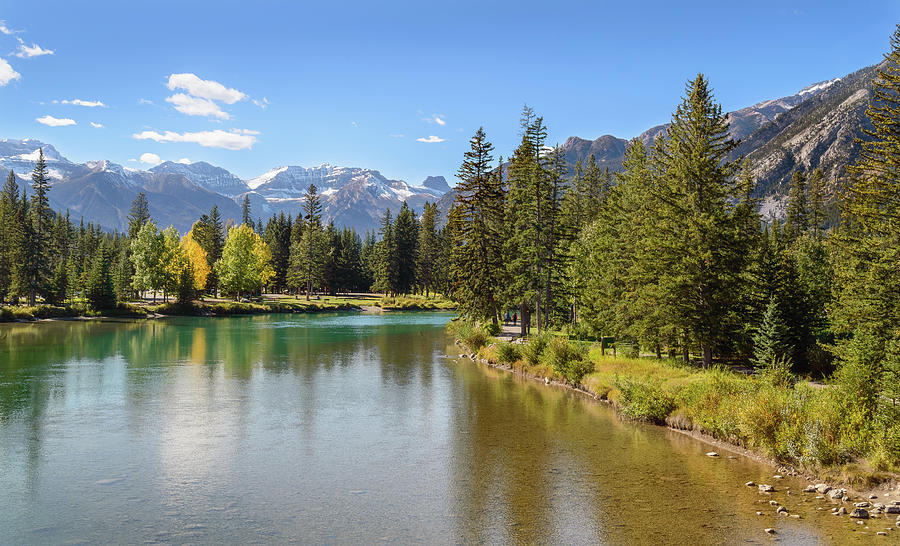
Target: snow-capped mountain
<point x="350" y="196"/>
<point x="215" y="179"/>
<point x="102" y="191"/>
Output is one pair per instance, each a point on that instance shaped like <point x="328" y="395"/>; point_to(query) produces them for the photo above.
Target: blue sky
<point x="395" y="86"/>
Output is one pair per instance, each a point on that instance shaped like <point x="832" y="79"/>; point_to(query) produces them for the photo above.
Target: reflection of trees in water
<point x="539" y="464"/>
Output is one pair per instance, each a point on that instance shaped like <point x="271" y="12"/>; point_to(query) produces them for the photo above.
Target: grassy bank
<point x="807" y="425"/>
<point x="224" y="308"/>
<point x="415" y="303"/>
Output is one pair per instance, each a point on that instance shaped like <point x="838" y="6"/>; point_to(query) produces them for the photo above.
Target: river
<point x="344" y="428"/>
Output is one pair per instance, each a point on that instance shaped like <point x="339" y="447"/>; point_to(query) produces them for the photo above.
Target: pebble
<point x="781" y="510"/>
<point x="765" y="488"/>
<point x="823" y="488"/>
<point x="770" y="530"/>
<point x="750" y="484"/>
<point x="842" y="511"/>
<point x="795" y="516"/>
<point x="778" y="477"/>
<point x="758" y="513"/>
<point x="892" y="509"/>
<point x="863" y="504"/>
<point x="809" y="489"/>
<point x="837" y="493"/>
<point x="881" y="533"/>
<point x="712" y="454"/>
<point x="773" y="502"/>
<point x="873" y="496"/>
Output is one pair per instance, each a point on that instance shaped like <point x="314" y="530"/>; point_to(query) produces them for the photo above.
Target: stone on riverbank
<point x="712" y="454"/>
<point x="770" y="530"/>
<point x="892" y="509"/>
<point x="809" y="489"/>
<point x="863" y="504"/>
<point x="859" y="513"/>
<point x="823" y="488"/>
<point x="836" y="493"/>
<point x="766" y="488"/>
<point x="750" y="484"/>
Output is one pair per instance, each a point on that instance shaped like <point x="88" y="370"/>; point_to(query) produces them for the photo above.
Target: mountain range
<point x="817" y="127"/>
<point x="178" y="193"/>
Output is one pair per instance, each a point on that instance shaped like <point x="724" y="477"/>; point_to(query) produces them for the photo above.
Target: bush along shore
<point x="221" y="308"/>
<point x="804" y="428"/>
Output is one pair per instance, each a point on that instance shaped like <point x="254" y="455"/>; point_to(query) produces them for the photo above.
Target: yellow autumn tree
<point x="196" y="256"/>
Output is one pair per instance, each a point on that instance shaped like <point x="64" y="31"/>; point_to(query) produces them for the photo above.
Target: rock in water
<point x="750" y="484"/>
<point x="765" y="488"/>
<point x="859" y="513"/>
<point x="836" y="493"/>
<point x="809" y="489"/>
<point x="712" y="454"/>
<point x="823" y="488"/>
<point x="892" y="509"/>
<point x="770" y="530"/>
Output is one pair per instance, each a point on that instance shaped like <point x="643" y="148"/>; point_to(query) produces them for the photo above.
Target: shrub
<point x="492" y="329"/>
<point x="568" y="361"/>
<point x="507" y="352"/>
<point x="644" y="400"/>
<point x="472" y="336"/>
<point x="533" y="350"/>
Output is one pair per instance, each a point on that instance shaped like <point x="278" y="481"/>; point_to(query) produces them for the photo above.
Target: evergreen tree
<point x="406" y="235"/>
<point x="385" y="263"/>
<point x="10" y="235"/>
<point x="700" y="265"/>
<point x="428" y="257"/>
<point x="477" y="260"/>
<point x="245" y="211"/>
<point x="138" y="215"/>
<point x="867" y="310"/>
<point x="100" y="291"/>
<point x="770" y="342"/>
<point x="37" y="250"/>
<point x="797" y="215"/>
<point x="817" y="214"/>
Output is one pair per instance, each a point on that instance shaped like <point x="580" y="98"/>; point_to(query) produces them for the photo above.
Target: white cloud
<point x="96" y="125"/>
<point x="396" y="135"/>
<point x="184" y="161"/>
<point x="194" y="106"/>
<point x="150" y="159"/>
<point x="230" y="140"/>
<point x="133" y="160"/>
<point x="264" y="103"/>
<point x="55" y="122"/>
<point x="353" y="123"/>
<point x="79" y="102"/>
<point x="7" y="74"/>
<point x="204" y="89"/>
<point x="5" y="29"/>
<point x="145" y="101"/>
<point x="431" y="139"/>
<point x="435" y="118"/>
<point x="33" y="50"/>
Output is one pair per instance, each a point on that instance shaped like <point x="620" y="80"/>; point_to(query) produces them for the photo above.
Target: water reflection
<point x="335" y="428"/>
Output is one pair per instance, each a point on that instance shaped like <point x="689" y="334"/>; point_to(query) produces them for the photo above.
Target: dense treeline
<point x="45" y="257"/>
<point x="675" y="257"/>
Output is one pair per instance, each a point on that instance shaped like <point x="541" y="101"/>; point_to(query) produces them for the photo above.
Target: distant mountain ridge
<point x="102" y="191"/>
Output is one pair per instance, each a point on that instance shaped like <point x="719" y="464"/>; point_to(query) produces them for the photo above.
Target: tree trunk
<point x="685" y="351"/>
<point x="602" y="345"/>
<point x="707" y="356"/>
<point x="658" y="351"/>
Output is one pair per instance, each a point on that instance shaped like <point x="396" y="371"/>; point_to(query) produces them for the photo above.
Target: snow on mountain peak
<point x="816" y="87"/>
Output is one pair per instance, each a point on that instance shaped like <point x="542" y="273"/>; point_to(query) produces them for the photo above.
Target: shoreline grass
<point x="806" y="425"/>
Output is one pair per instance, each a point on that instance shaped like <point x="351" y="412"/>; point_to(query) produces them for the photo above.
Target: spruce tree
<point x="245" y="211"/>
<point x="406" y="236"/>
<point x="10" y="234"/>
<point x="37" y="247"/>
<point x="428" y="258"/>
<point x="867" y="310"/>
<point x="700" y="265"/>
<point x="797" y="216"/>
<point x="478" y="261"/>
<point x="138" y="215"/>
